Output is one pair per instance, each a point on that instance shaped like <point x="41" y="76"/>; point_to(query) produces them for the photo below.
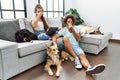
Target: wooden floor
<point x="109" y="56"/>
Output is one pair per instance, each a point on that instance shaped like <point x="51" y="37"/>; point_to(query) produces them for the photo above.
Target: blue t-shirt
<point x="72" y="39"/>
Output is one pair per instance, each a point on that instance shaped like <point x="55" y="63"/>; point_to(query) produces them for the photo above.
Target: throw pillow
<point x="8" y="29"/>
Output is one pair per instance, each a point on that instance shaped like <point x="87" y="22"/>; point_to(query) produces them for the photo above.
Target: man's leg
<point x="84" y="60"/>
<point x="91" y="69"/>
<point x="69" y="49"/>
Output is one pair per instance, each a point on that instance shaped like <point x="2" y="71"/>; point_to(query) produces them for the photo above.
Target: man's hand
<point x="70" y="28"/>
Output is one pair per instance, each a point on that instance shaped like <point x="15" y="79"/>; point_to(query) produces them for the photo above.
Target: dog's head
<point x="96" y="30"/>
<point x="52" y="50"/>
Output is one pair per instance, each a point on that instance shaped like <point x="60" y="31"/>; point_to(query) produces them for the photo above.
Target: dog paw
<point x="71" y="58"/>
<point x="62" y="59"/>
<point x="57" y="74"/>
<point x="50" y="73"/>
<point x="61" y="68"/>
<point x="66" y="58"/>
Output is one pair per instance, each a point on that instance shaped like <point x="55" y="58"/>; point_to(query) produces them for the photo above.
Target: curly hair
<point x="71" y="17"/>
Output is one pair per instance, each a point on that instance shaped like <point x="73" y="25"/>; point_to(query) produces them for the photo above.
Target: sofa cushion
<point x="8" y="29"/>
<point x="28" y="48"/>
<point x="22" y="23"/>
<point x="28" y="25"/>
<point x="54" y="22"/>
<point x="96" y="39"/>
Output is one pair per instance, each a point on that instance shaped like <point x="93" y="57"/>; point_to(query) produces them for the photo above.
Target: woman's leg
<point x="41" y="35"/>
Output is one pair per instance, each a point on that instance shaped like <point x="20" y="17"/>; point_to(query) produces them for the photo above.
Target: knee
<point x="43" y="36"/>
<point x="65" y="39"/>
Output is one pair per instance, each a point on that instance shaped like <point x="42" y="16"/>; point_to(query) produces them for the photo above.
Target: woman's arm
<point x="35" y="22"/>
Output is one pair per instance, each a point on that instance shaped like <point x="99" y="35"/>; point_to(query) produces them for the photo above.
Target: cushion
<point x="28" y="48"/>
<point x="8" y="29"/>
<point x="63" y="24"/>
<point x="96" y="39"/>
<point x="54" y="22"/>
<point x="28" y="25"/>
<point x="22" y="23"/>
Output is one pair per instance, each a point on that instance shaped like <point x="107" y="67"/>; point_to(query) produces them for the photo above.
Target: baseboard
<point x="114" y="40"/>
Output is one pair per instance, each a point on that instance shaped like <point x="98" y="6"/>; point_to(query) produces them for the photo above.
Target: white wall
<point x="68" y="4"/>
<point x="104" y="13"/>
<point x="31" y="4"/>
<point x="30" y="7"/>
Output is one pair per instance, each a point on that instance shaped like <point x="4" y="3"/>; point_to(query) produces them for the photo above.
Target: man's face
<point x="69" y="21"/>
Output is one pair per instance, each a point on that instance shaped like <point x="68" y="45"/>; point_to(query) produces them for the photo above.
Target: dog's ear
<point x="47" y="46"/>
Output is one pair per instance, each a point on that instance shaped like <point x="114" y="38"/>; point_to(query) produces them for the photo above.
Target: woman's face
<point x="39" y="12"/>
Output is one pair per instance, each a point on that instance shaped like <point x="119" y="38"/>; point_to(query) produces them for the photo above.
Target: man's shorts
<point x="75" y="48"/>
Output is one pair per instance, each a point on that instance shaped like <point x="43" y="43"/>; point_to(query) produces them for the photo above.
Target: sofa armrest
<point x="8" y="59"/>
<point x="7" y="44"/>
<point x="95" y="38"/>
<point x="108" y="35"/>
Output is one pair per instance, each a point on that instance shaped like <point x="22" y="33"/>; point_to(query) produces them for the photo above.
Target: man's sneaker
<point x="95" y="69"/>
<point x="77" y="63"/>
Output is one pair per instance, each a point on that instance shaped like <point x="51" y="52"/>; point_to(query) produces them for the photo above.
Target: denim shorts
<point x="75" y="48"/>
<point x="41" y="35"/>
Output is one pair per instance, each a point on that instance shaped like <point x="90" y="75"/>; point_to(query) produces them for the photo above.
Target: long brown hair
<point x="46" y="26"/>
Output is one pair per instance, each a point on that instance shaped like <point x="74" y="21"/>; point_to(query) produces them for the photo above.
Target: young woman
<point x="39" y="24"/>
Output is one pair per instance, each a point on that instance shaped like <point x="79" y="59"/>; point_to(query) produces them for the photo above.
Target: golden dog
<point x="84" y="29"/>
<point x="53" y="59"/>
<point x="66" y="56"/>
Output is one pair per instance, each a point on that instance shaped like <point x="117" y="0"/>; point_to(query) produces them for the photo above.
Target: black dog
<point x="24" y="35"/>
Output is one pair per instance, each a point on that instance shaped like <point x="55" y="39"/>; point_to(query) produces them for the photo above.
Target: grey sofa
<point x="18" y="57"/>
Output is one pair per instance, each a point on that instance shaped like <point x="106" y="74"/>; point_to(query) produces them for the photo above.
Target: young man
<point x="71" y="39"/>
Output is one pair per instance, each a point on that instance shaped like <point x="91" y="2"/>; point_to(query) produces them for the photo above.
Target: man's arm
<point x="54" y="39"/>
<point x="76" y="35"/>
